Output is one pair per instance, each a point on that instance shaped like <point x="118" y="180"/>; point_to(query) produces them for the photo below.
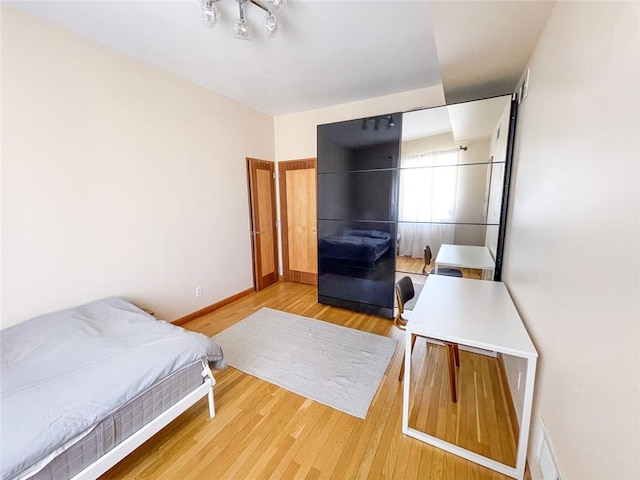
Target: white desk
<point x="479" y="314"/>
<point x="467" y="256"/>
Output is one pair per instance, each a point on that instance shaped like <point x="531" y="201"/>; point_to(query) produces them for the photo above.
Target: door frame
<point x="261" y="281"/>
<point x="283" y="167"/>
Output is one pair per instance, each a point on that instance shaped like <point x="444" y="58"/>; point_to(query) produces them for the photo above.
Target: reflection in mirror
<point x="357" y="194"/>
<point x="480" y="420"/>
<point x="451" y="180"/>
<point x="410" y="251"/>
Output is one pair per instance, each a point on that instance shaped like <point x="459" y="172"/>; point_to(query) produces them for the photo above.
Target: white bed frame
<point x="128" y="445"/>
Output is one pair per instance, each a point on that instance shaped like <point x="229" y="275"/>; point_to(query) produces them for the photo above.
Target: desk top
<point x="471" y="312"/>
<point x="468" y="256"/>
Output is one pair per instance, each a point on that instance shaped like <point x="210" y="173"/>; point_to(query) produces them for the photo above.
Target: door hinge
<point x="276" y="175"/>
<point x="278" y="223"/>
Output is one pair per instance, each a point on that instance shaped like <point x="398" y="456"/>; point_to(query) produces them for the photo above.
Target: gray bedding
<point x="64" y="372"/>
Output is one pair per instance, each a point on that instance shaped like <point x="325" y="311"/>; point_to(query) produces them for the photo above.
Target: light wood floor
<point x="263" y="431"/>
<point x="414" y="266"/>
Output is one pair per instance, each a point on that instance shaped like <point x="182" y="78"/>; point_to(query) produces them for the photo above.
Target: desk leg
<point x="526" y="417"/>
<point x="407" y="381"/>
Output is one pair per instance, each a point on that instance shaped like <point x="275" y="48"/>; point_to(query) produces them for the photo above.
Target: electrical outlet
<point x="198" y="291"/>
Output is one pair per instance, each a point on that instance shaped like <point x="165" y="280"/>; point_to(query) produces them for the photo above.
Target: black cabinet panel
<point x="369" y="295"/>
<point x="357" y="213"/>
<point x="346" y="146"/>
<point x="369" y="195"/>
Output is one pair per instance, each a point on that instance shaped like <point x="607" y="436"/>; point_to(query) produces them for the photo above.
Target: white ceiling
<point x="476" y="120"/>
<point x="483" y="46"/>
<point x="466" y="121"/>
<point x="327" y="53"/>
<point x="425" y="123"/>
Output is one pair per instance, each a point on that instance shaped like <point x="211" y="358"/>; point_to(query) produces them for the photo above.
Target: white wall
<point x="472" y="192"/>
<point x="571" y="258"/>
<point x="118" y="179"/>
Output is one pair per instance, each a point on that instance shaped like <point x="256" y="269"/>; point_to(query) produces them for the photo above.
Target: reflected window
<point x="428" y="193"/>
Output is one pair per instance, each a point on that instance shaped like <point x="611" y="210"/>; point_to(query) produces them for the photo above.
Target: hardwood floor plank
<point x="425" y="468"/>
<point x="413" y="462"/>
<point x="387" y="448"/>
<point x="270" y="433"/>
<point x="400" y="464"/>
<point x="305" y="427"/>
<point x="338" y="448"/>
<point x="307" y="454"/>
<point x="336" y="433"/>
<point x="374" y="427"/>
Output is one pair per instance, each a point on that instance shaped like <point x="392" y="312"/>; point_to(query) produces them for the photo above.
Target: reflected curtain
<point x="428" y="192"/>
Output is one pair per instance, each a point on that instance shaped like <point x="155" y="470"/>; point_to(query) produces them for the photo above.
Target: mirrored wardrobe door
<point x="451" y="179"/>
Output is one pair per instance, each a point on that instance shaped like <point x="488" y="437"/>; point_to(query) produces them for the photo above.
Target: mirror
<point x="451" y="181"/>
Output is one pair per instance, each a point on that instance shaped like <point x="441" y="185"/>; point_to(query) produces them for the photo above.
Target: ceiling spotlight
<point x="241" y="28"/>
<point x="271" y="23"/>
<point x="210" y="12"/>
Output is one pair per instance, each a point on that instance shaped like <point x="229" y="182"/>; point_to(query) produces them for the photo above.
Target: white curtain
<point x="428" y="192"/>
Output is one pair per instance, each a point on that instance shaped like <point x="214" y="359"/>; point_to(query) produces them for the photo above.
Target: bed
<point x="82" y="388"/>
<point x="362" y="246"/>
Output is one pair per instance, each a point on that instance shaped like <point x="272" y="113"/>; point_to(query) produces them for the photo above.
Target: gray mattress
<point x="123" y="423"/>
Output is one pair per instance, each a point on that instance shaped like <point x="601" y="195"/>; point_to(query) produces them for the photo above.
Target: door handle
<point x="256" y="233"/>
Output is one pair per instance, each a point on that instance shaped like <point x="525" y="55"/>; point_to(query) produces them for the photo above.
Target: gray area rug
<point x="417" y="288"/>
<point x="334" y="365"/>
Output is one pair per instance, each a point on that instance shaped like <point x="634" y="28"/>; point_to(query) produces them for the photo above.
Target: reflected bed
<point x="365" y="246"/>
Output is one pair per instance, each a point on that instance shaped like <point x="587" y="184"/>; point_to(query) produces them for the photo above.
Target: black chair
<point x="450" y="272"/>
<point x="405" y="292"/>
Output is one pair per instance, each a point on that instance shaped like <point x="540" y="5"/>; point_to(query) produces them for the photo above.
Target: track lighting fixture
<point x="376" y="122"/>
<point x="273" y="9"/>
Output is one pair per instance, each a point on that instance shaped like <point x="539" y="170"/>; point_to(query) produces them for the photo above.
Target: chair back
<point x="428" y="256"/>
<point x="405" y="290"/>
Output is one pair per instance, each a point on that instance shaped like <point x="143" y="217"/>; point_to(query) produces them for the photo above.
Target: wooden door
<point x="298" y="211"/>
<point x="262" y="198"/>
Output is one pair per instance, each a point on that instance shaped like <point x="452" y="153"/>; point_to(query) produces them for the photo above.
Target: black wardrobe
<point x="357" y="213"/>
<point x="359" y="178"/>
